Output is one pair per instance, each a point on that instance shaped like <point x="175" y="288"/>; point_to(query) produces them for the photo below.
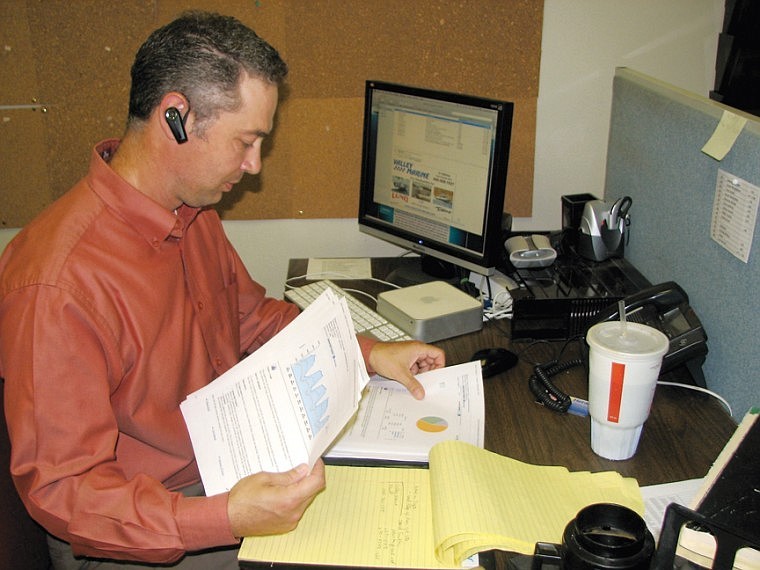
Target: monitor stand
<point x="423" y="269"/>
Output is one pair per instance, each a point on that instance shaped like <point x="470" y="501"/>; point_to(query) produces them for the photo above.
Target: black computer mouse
<point x="495" y="360"/>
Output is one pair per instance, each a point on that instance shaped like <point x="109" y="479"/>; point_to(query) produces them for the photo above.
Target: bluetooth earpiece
<point x="176" y="124"/>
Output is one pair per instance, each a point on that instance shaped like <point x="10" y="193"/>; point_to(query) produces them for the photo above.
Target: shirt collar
<point x="140" y="212"/>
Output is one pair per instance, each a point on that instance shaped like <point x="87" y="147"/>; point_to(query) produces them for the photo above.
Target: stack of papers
<point x="284" y="404"/>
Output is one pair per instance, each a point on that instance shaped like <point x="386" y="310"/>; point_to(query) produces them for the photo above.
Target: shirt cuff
<point x="204" y="522"/>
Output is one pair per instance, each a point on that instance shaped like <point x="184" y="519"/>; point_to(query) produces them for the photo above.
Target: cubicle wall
<point x="655" y="156"/>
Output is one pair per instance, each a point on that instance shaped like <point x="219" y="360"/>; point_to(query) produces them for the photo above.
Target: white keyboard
<point x="366" y="321"/>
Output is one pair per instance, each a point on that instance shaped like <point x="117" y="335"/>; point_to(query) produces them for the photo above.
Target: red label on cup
<point x="616" y="392"/>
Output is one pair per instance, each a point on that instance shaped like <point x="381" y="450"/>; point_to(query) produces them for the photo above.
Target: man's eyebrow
<point x="257" y="132"/>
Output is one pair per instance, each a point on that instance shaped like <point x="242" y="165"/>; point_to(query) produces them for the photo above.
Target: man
<point x="124" y="296"/>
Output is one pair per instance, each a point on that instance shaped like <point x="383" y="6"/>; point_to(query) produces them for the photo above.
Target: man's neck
<point x="135" y="161"/>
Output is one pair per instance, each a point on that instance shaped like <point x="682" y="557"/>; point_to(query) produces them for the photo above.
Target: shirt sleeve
<point x="261" y="317"/>
<point x="59" y="363"/>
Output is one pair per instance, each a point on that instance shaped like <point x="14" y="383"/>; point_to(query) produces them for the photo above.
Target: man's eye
<point x="248" y="144"/>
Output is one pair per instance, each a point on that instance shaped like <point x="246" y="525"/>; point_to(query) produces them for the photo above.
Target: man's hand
<point x="400" y="361"/>
<point x="273" y="503"/>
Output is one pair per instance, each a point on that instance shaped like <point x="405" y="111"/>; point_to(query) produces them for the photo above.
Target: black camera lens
<point x="605" y="536"/>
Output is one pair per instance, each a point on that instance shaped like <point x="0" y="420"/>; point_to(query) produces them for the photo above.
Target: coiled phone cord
<point x="547" y="393"/>
<point x="545" y="390"/>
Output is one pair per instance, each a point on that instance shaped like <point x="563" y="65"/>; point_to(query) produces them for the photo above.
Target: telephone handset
<point x="666" y="307"/>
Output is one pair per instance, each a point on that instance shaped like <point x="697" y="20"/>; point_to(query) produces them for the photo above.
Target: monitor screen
<point x="434" y="172"/>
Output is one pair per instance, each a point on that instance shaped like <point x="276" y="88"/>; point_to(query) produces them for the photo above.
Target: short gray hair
<point x="203" y="56"/>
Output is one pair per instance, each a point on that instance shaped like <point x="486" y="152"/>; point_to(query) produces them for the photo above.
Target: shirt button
<point x="200" y="305"/>
<point x="155" y="243"/>
<point x="218" y="362"/>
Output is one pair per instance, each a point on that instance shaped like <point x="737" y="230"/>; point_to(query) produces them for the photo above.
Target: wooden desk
<point x="682" y="437"/>
<point x="684" y="434"/>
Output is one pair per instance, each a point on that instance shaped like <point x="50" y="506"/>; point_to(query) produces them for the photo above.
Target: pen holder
<point x="572" y="212"/>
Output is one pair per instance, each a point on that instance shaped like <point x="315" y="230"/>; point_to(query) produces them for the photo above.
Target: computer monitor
<point x="434" y="172"/>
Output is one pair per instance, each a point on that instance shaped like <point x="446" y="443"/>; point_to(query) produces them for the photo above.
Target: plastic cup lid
<point x="632" y="339"/>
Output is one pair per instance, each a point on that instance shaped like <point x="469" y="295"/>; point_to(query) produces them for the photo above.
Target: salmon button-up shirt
<point x="112" y="311"/>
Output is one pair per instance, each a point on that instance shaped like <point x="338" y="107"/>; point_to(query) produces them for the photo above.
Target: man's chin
<point x="211" y="200"/>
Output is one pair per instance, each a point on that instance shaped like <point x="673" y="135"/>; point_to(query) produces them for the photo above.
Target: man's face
<point x="230" y="147"/>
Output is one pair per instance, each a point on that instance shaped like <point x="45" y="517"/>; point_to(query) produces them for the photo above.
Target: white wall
<point x="267" y="246"/>
<point x="6" y="235"/>
<point x="583" y="41"/>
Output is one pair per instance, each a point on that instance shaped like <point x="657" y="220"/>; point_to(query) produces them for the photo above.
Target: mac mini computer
<point x="431" y="311"/>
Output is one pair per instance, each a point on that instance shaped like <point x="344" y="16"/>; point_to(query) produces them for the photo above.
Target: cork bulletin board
<point x="64" y="85"/>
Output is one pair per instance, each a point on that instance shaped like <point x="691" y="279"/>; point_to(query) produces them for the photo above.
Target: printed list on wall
<point x="734" y="214"/>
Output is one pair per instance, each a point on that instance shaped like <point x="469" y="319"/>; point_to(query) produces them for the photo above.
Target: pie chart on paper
<point x="432" y="424"/>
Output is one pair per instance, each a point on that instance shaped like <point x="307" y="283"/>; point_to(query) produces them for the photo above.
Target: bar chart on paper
<point x="282" y="405"/>
<point x="313" y="393"/>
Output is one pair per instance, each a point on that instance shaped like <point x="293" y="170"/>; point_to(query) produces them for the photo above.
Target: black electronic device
<point x="176" y="124"/>
<point x="613" y="537"/>
<point x="602" y="536"/>
<point x="666" y="308"/>
<point x="737" y="64"/>
<point x="433" y="177"/>
<point x="494" y="361"/>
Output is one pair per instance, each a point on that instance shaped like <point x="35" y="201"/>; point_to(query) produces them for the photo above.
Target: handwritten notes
<point x="469" y="501"/>
<point x="367" y="516"/>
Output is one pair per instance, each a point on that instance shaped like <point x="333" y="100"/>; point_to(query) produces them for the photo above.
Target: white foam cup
<point x="624" y="363"/>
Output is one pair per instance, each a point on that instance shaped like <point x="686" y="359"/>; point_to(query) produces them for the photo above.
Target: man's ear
<point x="174" y="111"/>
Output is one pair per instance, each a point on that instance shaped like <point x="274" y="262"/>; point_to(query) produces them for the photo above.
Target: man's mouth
<point x="228" y="185"/>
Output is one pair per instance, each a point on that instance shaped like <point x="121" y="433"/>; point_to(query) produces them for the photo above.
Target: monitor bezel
<point x="483" y="262"/>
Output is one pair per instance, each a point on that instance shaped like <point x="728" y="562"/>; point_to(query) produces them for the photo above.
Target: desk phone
<point x="666" y="308"/>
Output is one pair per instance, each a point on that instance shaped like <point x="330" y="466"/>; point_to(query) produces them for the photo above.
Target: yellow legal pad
<point x="469" y="501"/>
